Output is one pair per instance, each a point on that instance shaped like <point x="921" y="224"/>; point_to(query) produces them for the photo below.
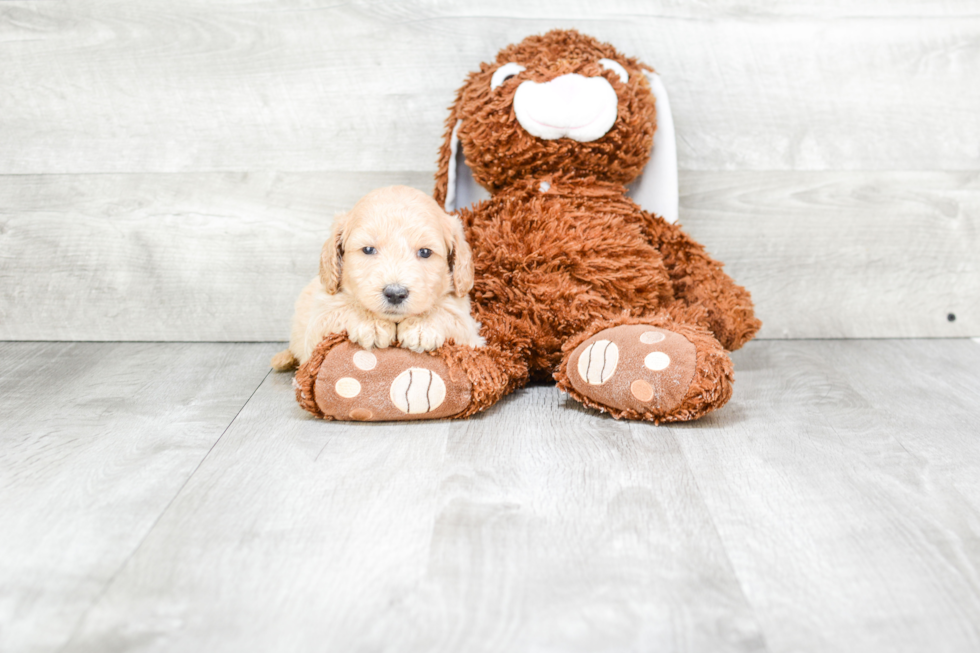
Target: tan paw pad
<point x="642" y="390"/>
<point x="651" y="337"/>
<point x="657" y="361"/>
<point x="365" y="360"/>
<point x="598" y="362"/>
<point x="417" y="390"/>
<point x="347" y="387"/>
<point x="361" y="414"/>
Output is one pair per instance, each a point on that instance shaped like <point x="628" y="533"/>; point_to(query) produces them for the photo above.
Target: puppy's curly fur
<point x="395" y="269"/>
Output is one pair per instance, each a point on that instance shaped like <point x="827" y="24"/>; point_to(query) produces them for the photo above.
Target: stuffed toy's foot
<point x="666" y="373"/>
<point x="342" y="381"/>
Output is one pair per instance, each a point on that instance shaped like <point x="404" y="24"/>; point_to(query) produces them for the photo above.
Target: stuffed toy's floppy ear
<point x="332" y="255"/>
<point x="460" y="258"/>
<point x="461" y="190"/>
<point x="656" y="189"/>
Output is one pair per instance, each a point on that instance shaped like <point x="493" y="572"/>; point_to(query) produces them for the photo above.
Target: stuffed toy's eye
<point x="614" y="66"/>
<point x="425" y="253"/>
<point x="504" y="73"/>
<point x="369" y="250"/>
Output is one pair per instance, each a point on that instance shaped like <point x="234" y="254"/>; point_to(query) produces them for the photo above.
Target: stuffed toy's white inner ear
<point x="617" y="68"/>
<point x="504" y="73"/>
<point x="462" y="190"/>
<point x="656" y="189"/>
<point x="451" y="172"/>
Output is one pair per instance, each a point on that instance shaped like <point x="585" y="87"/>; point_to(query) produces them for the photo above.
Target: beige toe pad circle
<point x="634" y="366"/>
<point x="651" y="337"/>
<point x="657" y="361"/>
<point x="388" y="384"/>
<point x="365" y="360"/>
<point x="347" y="387"/>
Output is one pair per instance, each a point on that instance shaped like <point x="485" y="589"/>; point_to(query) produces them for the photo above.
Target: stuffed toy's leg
<point x="658" y="369"/>
<point x="342" y="381"/>
<point x="705" y="294"/>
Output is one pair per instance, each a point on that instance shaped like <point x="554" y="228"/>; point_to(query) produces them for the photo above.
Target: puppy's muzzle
<point x="395" y="294"/>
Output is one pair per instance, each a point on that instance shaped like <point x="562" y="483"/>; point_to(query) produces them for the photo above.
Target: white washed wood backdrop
<point x="168" y="169"/>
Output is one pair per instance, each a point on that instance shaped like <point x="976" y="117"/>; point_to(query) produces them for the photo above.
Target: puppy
<point x="395" y="268"/>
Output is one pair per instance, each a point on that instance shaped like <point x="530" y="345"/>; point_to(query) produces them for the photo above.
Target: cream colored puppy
<point x="396" y="267"/>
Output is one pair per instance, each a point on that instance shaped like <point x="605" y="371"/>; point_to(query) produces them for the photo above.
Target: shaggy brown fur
<point x="500" y="152"/>
<point x="555" y="267"/>
<point x="306" y="375"/>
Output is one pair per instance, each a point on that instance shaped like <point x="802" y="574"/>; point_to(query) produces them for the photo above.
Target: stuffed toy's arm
<point x="700" y="282"/>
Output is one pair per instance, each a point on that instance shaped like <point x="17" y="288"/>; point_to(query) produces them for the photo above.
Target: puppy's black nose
<point x="395" y="294"/>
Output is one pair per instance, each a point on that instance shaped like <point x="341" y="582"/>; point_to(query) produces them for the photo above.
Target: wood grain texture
<point x="95" y="441"/>
<point x="842" y="479"/>
<point x="902" y="381"/>
<point x="108" y="86"/>
<point x="536" y="526"/>
<point x="222" y="256"/>
<point x="832" y="506"/>
<point x="205" y="146"/>
<point x="212" y="257"/>
<point x="846" y="254"/>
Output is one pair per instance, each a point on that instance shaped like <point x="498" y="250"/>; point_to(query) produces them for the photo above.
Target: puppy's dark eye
<point x="369" y="250"/>
<point x="425" y="253"/>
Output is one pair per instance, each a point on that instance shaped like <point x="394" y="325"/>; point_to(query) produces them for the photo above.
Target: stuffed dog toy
<point x="395" y="268"/>
<point x="567" y="148"/>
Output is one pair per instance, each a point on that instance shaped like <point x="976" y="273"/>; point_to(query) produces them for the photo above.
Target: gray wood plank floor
<point x="95" y="441"/>
<point x="173" y="497"/>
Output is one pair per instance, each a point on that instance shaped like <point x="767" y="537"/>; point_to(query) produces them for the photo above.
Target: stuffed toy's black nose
<point x="395" y="294"/>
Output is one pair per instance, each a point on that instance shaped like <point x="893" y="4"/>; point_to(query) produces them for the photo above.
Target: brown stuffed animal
<point x="574" y="280"/>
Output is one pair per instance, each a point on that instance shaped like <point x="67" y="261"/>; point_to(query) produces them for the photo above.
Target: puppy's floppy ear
<point x="332" y="255"/>
<point x="460" y="257"/>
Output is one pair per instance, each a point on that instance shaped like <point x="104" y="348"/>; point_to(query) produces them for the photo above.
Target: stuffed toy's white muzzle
<point x="572" y="106"/>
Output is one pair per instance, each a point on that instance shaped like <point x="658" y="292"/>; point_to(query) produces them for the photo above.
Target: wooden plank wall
<point x="170" y="168"/>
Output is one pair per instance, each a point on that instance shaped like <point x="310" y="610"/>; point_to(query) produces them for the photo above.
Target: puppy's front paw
<point x="418" y="335"/>
<point x="372" y="334"/>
